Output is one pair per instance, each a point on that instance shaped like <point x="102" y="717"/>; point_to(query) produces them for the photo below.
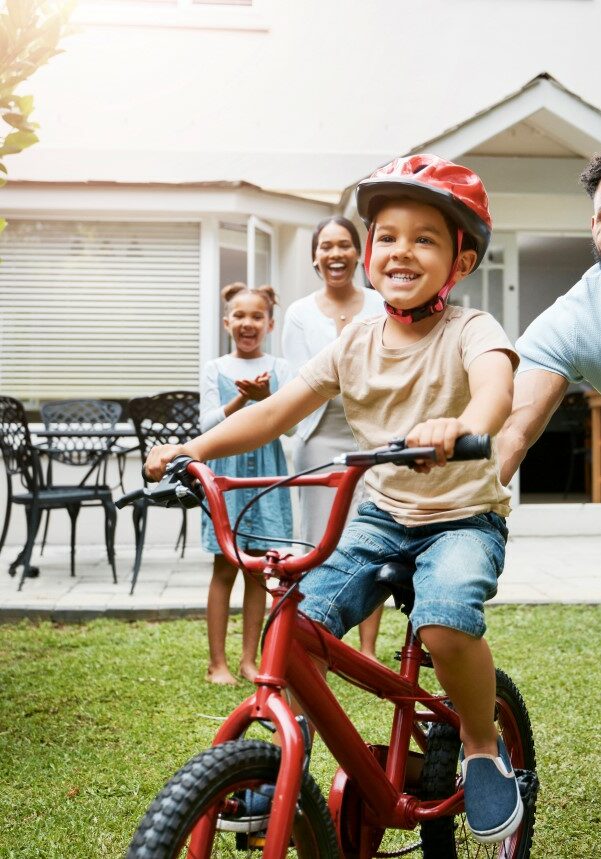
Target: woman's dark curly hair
<point x="591" y="175"/>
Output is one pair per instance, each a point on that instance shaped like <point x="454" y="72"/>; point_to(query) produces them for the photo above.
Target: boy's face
<point x="412" y="254"/>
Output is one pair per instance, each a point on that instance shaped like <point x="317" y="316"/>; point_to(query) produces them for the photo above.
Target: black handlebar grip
<point x="129" y="498"/>
<point x="472" y="447"/>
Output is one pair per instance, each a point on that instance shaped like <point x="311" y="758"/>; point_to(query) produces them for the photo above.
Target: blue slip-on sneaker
<point x="493" y="805"/>
<point x="252" y="813"/>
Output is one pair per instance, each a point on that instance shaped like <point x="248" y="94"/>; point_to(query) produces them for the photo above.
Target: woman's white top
<point x="211" y="409"/>
<point x="307" y="330"/>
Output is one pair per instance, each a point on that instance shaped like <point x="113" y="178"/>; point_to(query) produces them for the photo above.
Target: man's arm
<point x="537" y="394"/>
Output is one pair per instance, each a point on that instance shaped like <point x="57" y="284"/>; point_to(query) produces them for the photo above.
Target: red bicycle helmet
<point x="457" y="191"/>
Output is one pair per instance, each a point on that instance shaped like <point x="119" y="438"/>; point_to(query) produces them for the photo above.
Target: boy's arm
<point x="245" y="430"/>
<point x="537" y="395"/>
<point x="490" y="378"/>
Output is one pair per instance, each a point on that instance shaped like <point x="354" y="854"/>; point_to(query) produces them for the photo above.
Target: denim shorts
<point x="456" y="564"/>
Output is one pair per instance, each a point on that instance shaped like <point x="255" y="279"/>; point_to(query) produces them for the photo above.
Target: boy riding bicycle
<point x="430" y="372"/>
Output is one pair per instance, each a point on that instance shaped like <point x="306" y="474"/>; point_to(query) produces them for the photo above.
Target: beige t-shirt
<point x="386" y="392"/>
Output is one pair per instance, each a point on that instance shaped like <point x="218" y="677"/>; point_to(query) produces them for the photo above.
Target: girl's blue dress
<point x="271" y="516"/>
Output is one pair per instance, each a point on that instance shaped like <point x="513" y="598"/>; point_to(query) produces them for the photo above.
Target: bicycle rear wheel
<point x="449" y="838"/>
<point x="203" y="787"/>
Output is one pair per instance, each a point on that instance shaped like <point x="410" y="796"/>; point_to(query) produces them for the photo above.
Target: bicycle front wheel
<point x="448" y="837"/>
<point x="202" y="790"/>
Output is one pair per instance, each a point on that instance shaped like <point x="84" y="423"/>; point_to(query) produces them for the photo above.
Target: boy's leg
<point x="457" y="568"/>
<point x="465" y="669"/>
<point x="253" y="615"/>
<point x="368" y="633"/>
<point x="218" y="606"/>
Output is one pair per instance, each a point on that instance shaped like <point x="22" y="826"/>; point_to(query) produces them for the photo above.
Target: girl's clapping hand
<point x="255" y="389"/>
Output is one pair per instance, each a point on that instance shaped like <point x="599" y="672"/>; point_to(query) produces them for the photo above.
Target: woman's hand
<point x="440" y="433"/>
<point x="158" y="459"/>
<point x="255" y="389"/>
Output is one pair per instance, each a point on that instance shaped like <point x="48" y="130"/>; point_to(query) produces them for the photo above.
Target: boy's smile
<point x="412" y="253"/>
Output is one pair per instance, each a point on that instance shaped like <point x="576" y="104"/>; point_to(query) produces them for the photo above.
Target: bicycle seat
<point x="398" y="579"/>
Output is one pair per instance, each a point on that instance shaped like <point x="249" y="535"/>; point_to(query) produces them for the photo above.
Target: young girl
<point x="231" y="382"/>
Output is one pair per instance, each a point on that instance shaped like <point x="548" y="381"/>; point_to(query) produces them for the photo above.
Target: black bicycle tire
<point x="190" y="792"/>
<point x="439" y="837"/>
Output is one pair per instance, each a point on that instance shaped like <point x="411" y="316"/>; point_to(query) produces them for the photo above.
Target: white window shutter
<point x="94" y="309"/>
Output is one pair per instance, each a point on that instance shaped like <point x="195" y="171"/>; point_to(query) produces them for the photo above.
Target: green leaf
<point x="3" y="168"/>
<point x="2" y="224"/>
<point x="17" y="141"/>
<point x="24" y="103"/>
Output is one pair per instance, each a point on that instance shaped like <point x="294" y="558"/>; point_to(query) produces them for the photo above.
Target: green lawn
<point x="94" y="718"/>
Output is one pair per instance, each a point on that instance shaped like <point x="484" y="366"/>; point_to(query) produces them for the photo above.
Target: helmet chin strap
<point x="435" y="304"/>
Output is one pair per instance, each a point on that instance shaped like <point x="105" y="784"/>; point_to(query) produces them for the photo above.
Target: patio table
<point x="113" y="434"/>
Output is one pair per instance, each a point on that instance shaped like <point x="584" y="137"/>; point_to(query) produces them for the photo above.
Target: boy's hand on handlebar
<point x="440" y="433"/>
<point x="255" y="389"/>
<point x="158" y="459"/>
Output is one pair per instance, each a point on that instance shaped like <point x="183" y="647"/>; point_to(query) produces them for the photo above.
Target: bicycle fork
<point x="267" y="703"/>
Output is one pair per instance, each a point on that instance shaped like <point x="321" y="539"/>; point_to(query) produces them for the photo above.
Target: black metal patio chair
<point x="22" y="462"/>
<point x="171" y="417"/>
<point x="88" y="451"/>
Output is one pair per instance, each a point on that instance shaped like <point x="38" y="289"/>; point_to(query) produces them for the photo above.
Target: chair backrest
<point x="15" y="443"/>
<point x="172" y="417"/>
<point x="82" y="415"/>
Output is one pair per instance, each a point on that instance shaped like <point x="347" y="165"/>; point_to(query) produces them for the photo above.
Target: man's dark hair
<point x="591" y="175"/>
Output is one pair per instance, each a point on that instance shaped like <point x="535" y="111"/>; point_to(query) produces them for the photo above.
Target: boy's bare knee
<point x="444" y="643"/>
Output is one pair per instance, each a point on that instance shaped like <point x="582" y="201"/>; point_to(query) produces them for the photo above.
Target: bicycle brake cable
<point x="255" y="498"/>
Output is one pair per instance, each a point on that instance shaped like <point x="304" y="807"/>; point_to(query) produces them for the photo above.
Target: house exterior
<point x="187" y="144"/>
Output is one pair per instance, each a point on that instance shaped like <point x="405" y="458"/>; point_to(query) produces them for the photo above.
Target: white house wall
<point x="312" y="101"/>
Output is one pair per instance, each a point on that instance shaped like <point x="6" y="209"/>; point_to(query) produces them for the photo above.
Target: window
<point x="92" y="309"/>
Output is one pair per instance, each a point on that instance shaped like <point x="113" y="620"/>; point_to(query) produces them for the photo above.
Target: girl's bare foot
<point x="370" y="655"/>
<point x="248" y="670"/>
<point x="222" y="676"/>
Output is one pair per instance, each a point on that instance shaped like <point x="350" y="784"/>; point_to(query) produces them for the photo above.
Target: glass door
<point x="246" y="255"/>
<point x="493" y="286"/>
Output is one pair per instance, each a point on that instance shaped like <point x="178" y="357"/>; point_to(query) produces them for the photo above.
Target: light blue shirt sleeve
<point x="566" y="338"/>
<point x="211" y="410"/>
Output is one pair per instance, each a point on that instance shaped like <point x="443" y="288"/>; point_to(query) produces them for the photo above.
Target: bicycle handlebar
<point x="187" y="482"/>
<point x="172" y="491"/>
<point x="466" y="447"/>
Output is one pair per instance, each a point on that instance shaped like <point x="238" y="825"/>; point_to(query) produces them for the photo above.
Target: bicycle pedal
<point x="250" y="841"/>
<point x="528" y="784"/>
<point x="253" y="840"/>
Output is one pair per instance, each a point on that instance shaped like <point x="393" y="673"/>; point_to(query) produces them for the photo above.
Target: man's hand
<point x="158" y="459"/>
<point x="254" y="389"/>
<point x="440" y="433"/>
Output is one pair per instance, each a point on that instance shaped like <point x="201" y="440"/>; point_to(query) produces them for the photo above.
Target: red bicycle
<point x="380" y="794"/>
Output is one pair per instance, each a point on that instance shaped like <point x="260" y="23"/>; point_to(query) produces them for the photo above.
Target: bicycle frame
<point x="289" y="640"/>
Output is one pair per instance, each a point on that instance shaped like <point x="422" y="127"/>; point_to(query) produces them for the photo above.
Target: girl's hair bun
<point x="267" y="293"/>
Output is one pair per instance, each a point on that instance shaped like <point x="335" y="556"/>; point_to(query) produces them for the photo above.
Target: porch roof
<point x="541" y="120"/>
